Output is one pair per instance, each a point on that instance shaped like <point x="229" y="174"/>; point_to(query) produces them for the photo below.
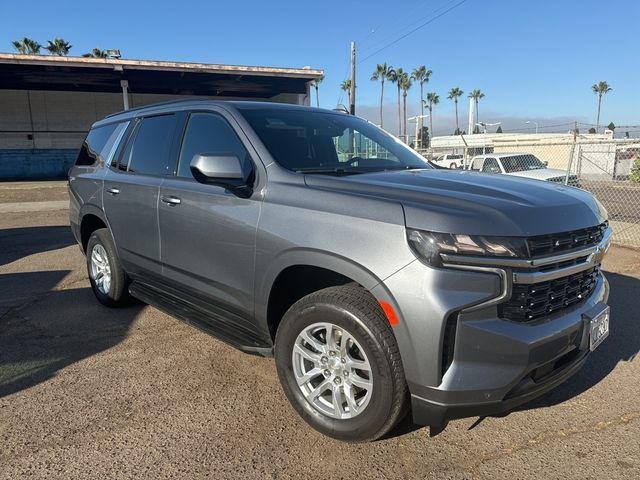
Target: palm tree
<point x="96" y="53"/>
<point x="315" y="84"/>
<point x="434" y="99"/>
<point x="27" y="46"/>
<point x="476" y="95"/>
<point x="600" y="88"/>
<point x="381" y="73"/>
<point x="405" y="85"/>
<point x="395" y="76"/>
<point x="58" y="47"/>
<point x="346" y="86"/>
<point x="421" y="75"/>
<point x="454" y="94"/>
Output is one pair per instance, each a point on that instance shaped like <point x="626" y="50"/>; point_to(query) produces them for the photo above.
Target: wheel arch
<point x="300" y="272"/>
<point x="91" y="219"/>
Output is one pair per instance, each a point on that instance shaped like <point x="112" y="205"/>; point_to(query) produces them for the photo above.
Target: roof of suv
<point x="239" y="104"/>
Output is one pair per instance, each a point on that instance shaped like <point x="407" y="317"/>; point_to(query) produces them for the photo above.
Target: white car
<point x="520" y="165"/>
<point x="449" y="160"/>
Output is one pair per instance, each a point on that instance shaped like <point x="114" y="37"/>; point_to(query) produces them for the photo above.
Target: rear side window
<point x="149" y="153"/>
<point x="209" y="133"/>
<point x="491" y="166"/>
<point x="98" y="144"/>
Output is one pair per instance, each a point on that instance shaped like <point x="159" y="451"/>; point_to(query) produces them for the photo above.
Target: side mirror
<point x="545" y="163"/>
<point x="222" y="169"/>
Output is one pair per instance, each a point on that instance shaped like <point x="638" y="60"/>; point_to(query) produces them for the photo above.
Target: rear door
<point x="131" y="190"/>
<point x="208" y="233"/>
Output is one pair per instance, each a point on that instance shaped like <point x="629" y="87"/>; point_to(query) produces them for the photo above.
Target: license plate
<point x="599" y="329"/>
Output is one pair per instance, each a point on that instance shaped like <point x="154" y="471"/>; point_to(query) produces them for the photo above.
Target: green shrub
<point x="635" y="170"/>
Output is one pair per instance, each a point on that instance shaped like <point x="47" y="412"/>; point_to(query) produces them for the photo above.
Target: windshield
<point x="329" y="143"/>
<point x="519" y="163"/>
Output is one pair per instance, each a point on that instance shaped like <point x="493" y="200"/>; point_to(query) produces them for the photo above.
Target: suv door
<point x="207" y="233"/>
<point x="131" y="189"/>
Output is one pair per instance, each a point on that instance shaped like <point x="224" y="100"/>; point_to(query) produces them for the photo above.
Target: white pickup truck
<point x="520" y="165"/>
<point x="449" y="160"/>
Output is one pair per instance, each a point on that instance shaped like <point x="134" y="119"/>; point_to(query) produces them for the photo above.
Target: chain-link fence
<point x="608" y="168"/>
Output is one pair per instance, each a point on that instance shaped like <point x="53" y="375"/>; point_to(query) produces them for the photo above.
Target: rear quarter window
<point x="99" y="144"/>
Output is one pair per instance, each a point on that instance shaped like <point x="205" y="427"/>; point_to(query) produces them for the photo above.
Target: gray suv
<point x="380" y="284"/>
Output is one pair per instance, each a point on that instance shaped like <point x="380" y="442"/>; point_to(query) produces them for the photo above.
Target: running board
<point x="206" y="320"/>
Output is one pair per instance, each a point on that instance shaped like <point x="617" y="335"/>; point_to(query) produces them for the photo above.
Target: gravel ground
<point x="88" y="392"/>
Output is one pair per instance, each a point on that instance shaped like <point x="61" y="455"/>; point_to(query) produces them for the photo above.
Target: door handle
<point x="113" y="191"/>
<point x="170" y="200"/>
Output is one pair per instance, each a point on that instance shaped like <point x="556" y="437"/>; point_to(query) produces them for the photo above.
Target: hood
<point x="455" y="201"/>
<point x="541" y="173"/>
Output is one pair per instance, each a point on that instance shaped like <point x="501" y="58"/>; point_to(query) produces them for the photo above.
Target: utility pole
<point x="352" y="106"/>
<point x="573" y="151"/>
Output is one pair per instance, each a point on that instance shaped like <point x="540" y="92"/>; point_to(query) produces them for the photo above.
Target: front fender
<point x="314" y="258"/>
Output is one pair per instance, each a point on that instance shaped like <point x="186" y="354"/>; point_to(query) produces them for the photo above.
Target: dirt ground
<point x="89" y="392"/>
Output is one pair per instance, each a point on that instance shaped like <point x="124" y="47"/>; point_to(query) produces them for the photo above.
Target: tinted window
<point x="98" y="144"/>
<point x="209" y="133"/>
<point x="303" y="140"/>
<point x="518" y="163"/>
<point x="150" y="150"/>
<point x="491" y="166"/>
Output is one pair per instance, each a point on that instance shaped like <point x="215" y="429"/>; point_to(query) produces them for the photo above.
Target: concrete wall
<point x="52" y="125"/>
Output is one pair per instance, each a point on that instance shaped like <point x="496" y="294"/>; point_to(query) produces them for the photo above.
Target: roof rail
<point x="159" y="104"/>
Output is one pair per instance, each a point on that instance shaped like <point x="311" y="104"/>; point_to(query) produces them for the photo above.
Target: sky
<point x="534" y="60"/>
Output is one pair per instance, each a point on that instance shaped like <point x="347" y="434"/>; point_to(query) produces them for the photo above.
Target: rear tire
<point x="109" y="281"/>
<point x="365" y="394"/>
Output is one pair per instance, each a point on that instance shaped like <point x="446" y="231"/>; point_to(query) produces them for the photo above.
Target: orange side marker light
<point x="388" y="311"/>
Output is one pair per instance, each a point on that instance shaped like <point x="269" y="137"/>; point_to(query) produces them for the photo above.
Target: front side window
<point x="329" y="143"/>
<point x="149" y="153"/>
<point x="209" y="133"/>
<point x="98" y="144"/>
<point x="519" y="163"/>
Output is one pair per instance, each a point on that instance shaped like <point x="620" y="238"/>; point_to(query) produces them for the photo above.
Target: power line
<point x="408" y="25"/>
<point x="412" y="31"/>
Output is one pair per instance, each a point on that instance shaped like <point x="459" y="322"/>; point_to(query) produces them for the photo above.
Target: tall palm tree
<point x="421" y="75"/>
<point x="381" y="73"/>
<point x="454" y="94"/>
<point x="27" y="46"/>
<point x="315" y="84"/>
<point x="58" y="47"/>
<point x="433" y="99"/>
<point x="395" y="76"/>
<point x="405" y="85"/>
<point x="600" y="88"/>
<point x="346" y="86"/>
<point x="96" y="53"/>
<point x="476" y="95"/>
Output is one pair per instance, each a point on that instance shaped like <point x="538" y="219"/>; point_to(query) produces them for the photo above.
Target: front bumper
<point x="496" y="364"/>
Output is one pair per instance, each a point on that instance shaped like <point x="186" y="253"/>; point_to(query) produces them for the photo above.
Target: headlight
<point x="429" y="245"/>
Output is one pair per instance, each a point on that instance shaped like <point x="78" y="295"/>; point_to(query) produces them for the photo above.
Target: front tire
<point x="108" y="279"/>
<point x="339" y="364"/>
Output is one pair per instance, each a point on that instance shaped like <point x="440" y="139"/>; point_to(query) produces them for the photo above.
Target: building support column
<point x="125" y="93"/>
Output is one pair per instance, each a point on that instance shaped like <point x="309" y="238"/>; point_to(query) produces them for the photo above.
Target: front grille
<point x="560" y="242"/>
<point x="530" y="302"/>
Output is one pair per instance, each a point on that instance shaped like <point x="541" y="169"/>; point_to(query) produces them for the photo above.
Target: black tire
<point x="354" y="309"/>
<point x="118" y="292"/>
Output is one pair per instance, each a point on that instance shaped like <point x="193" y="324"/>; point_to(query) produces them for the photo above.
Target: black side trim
<point x="212" y="322"/>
